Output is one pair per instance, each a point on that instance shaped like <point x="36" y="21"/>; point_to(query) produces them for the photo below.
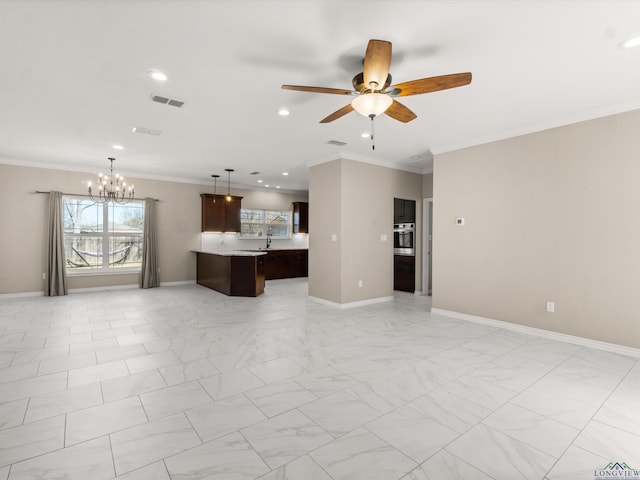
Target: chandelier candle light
<point x="112" y="188"/>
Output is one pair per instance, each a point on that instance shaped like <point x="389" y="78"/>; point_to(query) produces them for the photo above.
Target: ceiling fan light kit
<point x="374" y="92"/>
<point x="369" y="104"/>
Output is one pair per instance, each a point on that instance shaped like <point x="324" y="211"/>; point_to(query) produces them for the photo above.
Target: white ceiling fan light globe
<point x="369" y="104"/>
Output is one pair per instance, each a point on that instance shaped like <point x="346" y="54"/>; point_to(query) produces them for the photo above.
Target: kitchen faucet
<point x="268" y="240"/>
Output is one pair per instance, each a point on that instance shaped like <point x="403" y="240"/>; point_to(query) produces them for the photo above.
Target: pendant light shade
<point x="369" y="104"/>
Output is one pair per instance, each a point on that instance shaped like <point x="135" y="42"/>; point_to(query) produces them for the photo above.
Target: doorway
<point x="427" y="227"/>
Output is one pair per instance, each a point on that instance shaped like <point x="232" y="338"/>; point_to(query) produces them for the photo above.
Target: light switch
<point x="334" y="237"/>
<point x="383" y="237"/>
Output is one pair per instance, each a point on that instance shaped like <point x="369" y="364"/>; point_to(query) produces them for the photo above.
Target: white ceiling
<point x="73" y="80"/>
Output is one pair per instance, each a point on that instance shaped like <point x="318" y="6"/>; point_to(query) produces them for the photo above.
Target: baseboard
<point x="181" y="282"/>
<point x="94" y="289"/>
<point x="130" y="285"/>
<point x="21" y="294"/>
<point x="359" y="303"/>
<point x="105" y="288"/>
<point x="561" y="337"/>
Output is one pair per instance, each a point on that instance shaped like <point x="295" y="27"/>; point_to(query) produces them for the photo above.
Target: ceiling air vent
<point x="167" y="101"/>
<point x="254" y="173"/>
<point x="337" y="143"/>
<point x="148" y="131"/>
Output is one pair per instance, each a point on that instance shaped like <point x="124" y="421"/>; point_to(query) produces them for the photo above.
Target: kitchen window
<point x="260" y="223"/>
<point x="102" y="238"/>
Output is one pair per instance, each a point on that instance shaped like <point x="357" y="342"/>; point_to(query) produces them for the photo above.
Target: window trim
<point x="263" y="235"/>
<point x="104" y="236"/>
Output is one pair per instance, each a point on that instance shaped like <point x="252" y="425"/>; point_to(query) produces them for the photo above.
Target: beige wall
<point x="551" y="216"/>
<point x="427" y="185"/>
<point x="23" y="225"/>
<point x="325" y="220"/>
<point x="354" y="200"/>
<point x="267" y="200"/>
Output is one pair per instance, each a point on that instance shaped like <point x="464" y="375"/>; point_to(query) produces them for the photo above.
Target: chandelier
<point x="112" y="188"/>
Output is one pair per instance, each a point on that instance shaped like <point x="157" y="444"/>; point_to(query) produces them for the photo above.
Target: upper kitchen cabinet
<point x="220" y="215"/>
<point x="300" y="217"/>
<point x="404" y="211"/>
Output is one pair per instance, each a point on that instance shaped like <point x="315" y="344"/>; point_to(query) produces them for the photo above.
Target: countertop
<point x="232" y="253"/>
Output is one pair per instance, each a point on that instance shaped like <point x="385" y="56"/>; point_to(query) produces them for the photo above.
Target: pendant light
<point x="228" y="170"/>
<point x="215" y="184"/>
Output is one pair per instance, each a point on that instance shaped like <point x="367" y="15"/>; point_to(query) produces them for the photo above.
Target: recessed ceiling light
<point x="365" y="135"/>
<point x="260" y="181"/>
<point x="157" y="75"/>
<point x="118" y="147"/>
<point x="285" y="173"/>
<point x="277" y="186"/>
<point x="631" y="42"/>
<point x="266" y="185"/>
<point x="283" y="112"/>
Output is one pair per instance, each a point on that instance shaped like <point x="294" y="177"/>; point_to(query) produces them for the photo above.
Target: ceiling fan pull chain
<point x="373" y="144"/>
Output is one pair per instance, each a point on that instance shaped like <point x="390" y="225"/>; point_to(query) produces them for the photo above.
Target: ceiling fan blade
<point x="399" y="112"/>
<point x="337" y="114"/>
<point x="300" y="88"/>
<point x="431" y="84"/>
<point x="377" y="61"/>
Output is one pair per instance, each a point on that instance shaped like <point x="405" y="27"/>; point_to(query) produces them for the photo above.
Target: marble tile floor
<point x="184" y="383"/>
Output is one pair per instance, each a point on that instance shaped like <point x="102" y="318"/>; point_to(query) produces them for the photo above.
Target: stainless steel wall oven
<point x="404" y="239"/>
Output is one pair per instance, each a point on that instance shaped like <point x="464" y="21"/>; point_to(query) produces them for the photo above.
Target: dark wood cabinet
<point x="300" y="217"/>
<point x="286" y="264"/>
<point x="241" y="276"/>
<point x="404" y="211"/>
<point x="220" y="215"/>
<point x="302" y="263"/>
<point x="404" y="273"/>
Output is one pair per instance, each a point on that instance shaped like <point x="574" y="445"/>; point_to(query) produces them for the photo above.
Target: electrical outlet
<point x="360" y="283"/>
<point x="551" y="307"/>
<point x="44" y="276"/>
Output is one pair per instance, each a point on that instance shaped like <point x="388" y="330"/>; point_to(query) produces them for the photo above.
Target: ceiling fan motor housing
<point x="359" y="86"/>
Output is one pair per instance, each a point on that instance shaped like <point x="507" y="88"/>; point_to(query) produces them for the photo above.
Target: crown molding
<point x="356" y="157"/>
<point x="584" y="116"/>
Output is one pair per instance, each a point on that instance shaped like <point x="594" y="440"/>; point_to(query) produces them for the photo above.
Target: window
<point x="102" y="238"/>
<point x="259" y="223"/>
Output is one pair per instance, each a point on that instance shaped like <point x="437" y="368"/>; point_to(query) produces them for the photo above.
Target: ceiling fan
<point x="373" y="92"/>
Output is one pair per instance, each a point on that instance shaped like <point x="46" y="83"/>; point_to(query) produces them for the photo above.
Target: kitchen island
<point x="232" y="272"/>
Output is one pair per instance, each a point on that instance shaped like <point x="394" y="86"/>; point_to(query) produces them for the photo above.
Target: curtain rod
<point x="81" y="195"/>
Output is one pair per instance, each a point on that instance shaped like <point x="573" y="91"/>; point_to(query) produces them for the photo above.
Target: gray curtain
<point x="56" y="270"/>
<point x="149" y="277"/>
